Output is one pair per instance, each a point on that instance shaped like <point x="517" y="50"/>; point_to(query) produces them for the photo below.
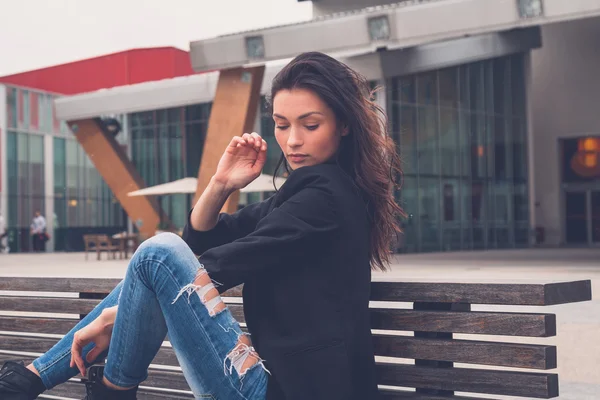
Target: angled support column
<point x="233" y="113"/>
<point x="118" y="172"/>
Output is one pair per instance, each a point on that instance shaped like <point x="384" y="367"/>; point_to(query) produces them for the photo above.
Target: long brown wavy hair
<point x="368" y="154"/>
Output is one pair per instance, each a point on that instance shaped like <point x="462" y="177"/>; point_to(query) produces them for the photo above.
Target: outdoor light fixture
<point x="255" y="47"/>
<point x="111" y="126"/>
<point x="530" y="8"/>
<point x="379" y="27"/>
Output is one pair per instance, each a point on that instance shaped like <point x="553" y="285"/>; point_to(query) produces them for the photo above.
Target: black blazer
<point x="303" y="256"/>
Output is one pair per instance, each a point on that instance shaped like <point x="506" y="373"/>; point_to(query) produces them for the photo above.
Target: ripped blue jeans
<point x="160" y="294"/>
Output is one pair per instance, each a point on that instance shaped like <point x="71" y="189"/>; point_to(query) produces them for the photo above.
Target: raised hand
<point x="242" y="161"/>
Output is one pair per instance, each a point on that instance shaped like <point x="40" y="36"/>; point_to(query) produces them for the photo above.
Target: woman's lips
<point x="297" y="158"/>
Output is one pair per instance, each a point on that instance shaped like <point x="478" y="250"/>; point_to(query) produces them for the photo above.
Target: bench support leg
<point x="437" y="335"/>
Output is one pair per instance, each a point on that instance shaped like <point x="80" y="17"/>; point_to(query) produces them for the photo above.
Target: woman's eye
<point x="312" y="127"/>
<point x="281" y="127"/>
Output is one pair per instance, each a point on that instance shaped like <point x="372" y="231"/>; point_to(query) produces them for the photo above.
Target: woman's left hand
<point x="99" y="331"/>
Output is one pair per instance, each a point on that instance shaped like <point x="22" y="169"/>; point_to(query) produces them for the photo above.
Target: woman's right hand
<point x="99" y="331"/>
<point x="242" y="161"/>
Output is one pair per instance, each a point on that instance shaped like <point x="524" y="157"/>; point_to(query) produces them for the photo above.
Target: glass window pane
<point x="517" y="74"/>
<point x="428" y="156"/>
<point x="427" y="94"/>
<point x="267" y="131"/>
<point x="407" y="90"/>
<point x="408" y="140"/>
<point x="26" y="109"/>
<point x="476" y="206"/>
<point x="476" y="87"/>
<point x="409" y="202"/>
<point x="449" y="89"/>
<point x="449" y="142"/>
<point x="501" y="85"/>
<point x="519" y="150"/>
<point x="13" y="180"/>
<point x="429" y="214"/>
<point x="11" y="107"/>
<point x="451" y="219"/>
<point x="500" y="149"/>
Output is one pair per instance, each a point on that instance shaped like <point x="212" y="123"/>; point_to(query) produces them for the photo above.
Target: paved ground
<point x="578" y="324"/>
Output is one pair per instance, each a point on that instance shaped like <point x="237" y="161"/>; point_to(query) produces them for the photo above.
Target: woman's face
<point x="305" y="128"/>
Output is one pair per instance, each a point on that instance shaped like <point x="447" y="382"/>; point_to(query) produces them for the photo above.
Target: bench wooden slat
<point x="388" y="394"/>
<point x="507" y="383"/>
<point x="76" y="285"/>
<point x="472" y="293"/>
<point x="156" y="379"/>
<point x="76" y="391"/>
<point x="513" y="324"/>
<point x="165" y="356"/>
<point x="463" y="351"/>
<point x="461" y="379"/>
<point x="61" y="305"/>
<point x="68" y="389"/>
<point x="490" y="323"/>
<point x="37" y="325"/>
<point x="516" y="355"/>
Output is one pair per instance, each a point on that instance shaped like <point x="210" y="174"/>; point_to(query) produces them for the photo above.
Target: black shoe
<point x="95" y="389"/>
<point x="19" y="383"/>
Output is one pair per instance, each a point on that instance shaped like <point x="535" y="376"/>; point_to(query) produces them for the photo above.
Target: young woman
<point x="304" y="256"/>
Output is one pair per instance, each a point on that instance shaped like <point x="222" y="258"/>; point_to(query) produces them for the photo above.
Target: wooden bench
<point x="438" y="310"/>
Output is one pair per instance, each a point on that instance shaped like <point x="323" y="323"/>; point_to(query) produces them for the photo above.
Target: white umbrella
<point x="264" y="183"/>
<point x="185" y="185"/>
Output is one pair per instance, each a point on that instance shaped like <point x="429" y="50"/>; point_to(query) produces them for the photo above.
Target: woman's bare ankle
<point x="32" y="369"/>
<point x="113" y="387"/>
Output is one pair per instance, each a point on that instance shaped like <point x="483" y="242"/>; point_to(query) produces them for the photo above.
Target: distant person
<point x="3" y="236"/>
<point x="304" y="255"/>
<point x="38" y="232"/>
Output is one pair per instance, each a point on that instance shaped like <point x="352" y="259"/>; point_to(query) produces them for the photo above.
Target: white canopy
<point x="264" y="183"/>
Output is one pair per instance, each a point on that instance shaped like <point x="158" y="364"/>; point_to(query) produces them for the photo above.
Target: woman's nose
<point x="295" y="139"/>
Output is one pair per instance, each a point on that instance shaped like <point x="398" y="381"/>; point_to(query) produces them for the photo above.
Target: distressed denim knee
<point x="242" y="356"/>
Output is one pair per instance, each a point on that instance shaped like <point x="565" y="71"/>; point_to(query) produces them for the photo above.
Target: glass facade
<point x="166" y="145"/>
<point x="461" y="133"/>
<point x="82" y="201"/>
<point x="26" y="179"/>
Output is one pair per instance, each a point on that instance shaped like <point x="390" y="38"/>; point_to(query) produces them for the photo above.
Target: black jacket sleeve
<point x="229" y="227"/>
<point x="300" y="227"/>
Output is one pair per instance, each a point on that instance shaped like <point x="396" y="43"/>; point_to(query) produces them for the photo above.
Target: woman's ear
<point x="345" y="130"/>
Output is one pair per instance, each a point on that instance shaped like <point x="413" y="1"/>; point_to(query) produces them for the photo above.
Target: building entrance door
<point x="582" y="214"/>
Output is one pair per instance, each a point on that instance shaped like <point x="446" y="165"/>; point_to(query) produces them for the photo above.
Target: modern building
<point x="491" y="104"/>
<point x="43" y="168"/>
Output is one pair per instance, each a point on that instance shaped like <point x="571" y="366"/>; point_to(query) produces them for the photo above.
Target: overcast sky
<point x="39" y="33"/>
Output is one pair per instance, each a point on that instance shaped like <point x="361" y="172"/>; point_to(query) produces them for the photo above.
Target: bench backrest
<point x="103" y="240"/>
<point x="420" y="332"/>
<point x="89" y="241"/>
